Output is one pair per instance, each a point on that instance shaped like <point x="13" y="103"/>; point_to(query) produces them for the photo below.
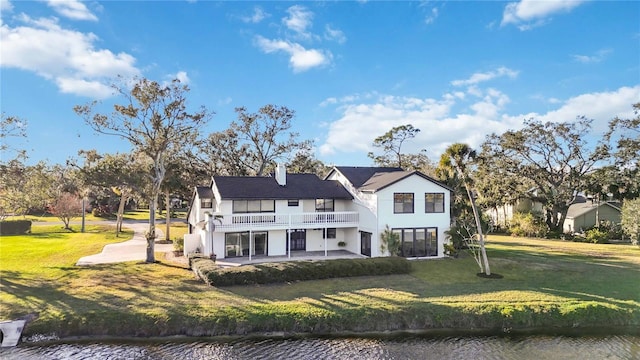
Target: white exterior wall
<point x="277" y="243"/>
<point x="418" y="186"/>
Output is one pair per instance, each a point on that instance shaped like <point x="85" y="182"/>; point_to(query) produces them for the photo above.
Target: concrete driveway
<point x="130" y="250"/>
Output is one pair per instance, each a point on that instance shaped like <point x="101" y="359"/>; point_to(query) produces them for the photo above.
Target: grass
<point x="141" y="214"/>
<point x="545" y="284"/>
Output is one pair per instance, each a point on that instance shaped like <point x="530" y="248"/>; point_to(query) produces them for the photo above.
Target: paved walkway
<point x="130" y="250"/>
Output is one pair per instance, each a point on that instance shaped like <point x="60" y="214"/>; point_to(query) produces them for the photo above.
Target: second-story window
<point x="434" y="202"/>
<point x="293" y="202"/>
<point x="403" y="203"/>
<point x="324" y="205"/>
<point x="253" y="206"/>
<point x="206" y="203"/>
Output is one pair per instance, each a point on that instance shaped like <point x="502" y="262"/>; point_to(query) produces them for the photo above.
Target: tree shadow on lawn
<point x="46" y="299"/>
<point x="523" y="270"/>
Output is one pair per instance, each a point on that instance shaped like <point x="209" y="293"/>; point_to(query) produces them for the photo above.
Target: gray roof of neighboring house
<point x="299" y="186"/>
<point x="377" y="178"/>
<point x="583" y="206"/>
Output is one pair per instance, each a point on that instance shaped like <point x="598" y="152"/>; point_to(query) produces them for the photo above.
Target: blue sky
<point x="457" y="70"/>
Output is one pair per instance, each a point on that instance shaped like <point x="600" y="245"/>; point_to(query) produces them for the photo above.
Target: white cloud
<point x="298" y="24"/>
<point x="257" y="16"/>
<point x="361" y="122"/>
<point x="67" y="57"/>
<point x="226" y="101"/>
<point x="94" y="89"/>
<point x="299" y="20"/>
<point x="73" y="9"/>
<point x="300" y="59"/>
<point x="482" y="77"/>
<point x="599" y="106"/>
<point x="183" y="77"/>
<point x="6" y="5"/>
<point x="430" y="18"/>
<point x="599" y="56"/>
<point x="334" y="34"/>
<point x="528" y="14"/>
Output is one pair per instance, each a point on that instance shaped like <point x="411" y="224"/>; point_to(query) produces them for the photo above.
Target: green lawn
<point x="545" y="283"/>
<point x="142" y="214"/>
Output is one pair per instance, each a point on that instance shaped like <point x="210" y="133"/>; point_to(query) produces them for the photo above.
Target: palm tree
<point x="455" y="160"/>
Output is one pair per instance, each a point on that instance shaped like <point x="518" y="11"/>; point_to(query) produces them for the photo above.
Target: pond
<point x="403" y="346"/>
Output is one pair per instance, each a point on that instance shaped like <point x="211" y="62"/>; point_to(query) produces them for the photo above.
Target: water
<point x="398" y="347"/>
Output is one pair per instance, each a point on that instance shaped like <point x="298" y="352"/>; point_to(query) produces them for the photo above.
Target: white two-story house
<point x="348" y="210"/>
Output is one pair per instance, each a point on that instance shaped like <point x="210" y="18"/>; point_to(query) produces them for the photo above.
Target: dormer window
<point x="206" y="203"/>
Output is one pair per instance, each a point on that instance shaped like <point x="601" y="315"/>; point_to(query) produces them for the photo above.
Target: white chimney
<point x="281" y="174"/>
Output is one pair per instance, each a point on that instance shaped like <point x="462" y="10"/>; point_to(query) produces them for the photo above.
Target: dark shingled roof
<point x="204" y="192"/>
<point x="299" y="186"/>
<point x="359" y="175"/>
<point x="381" y="180"/>
<point x="377" y="178"/>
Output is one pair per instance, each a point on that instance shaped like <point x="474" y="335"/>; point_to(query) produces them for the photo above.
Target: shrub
<point x="528" y="224"/>
<point x="613" y="230"/>
<point x="101" y="211"/>
<point x="390" y="241"/>
<point x="178" y="244"/>
<point x="290" y="271"/>
<point x="596" y="236"/>
<point x="450" y="249"/>
<point x="15" y="227"/>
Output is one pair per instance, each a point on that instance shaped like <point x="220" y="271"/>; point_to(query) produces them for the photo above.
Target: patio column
<point x="325" y="241"/>
<point x="289" y="237"/>
<point x="250" y="247"/>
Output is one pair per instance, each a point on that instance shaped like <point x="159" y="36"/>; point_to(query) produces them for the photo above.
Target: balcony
<point x="273" y="221"/>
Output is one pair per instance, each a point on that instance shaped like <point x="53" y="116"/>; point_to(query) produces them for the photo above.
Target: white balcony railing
<point x="273" y="221"/>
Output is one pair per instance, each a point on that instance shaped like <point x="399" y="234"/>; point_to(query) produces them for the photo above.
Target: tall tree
<point x="305" y="162"/>
<point x="155" y="120"/>
<point x="11" y="127"/>
<point x="391" y="144"/>
<point x="254" y="142"/>
<point x="457" y="158"/>
<point x="496" y="184"/>
<point x="621" y="143"/>
<point x="122" y="174"/>
<point x="630" y="220"/>
<point x="554" y="156"/>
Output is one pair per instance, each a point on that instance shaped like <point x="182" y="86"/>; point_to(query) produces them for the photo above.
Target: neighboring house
<point x="273" y="216"/>
<point x="501" y="215"/>
<point x="584" y="214"/>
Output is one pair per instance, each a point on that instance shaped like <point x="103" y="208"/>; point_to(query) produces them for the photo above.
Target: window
<point x="418" y="242"/>
<point x="206" y="203"/>
<point x="253" y="206"/>
<point x="434" y="202"/>
<point x="403" y="203"/>
<point x="330" y="233"/>
<point x="294" y="202"/>
<point x="324" y="205"/>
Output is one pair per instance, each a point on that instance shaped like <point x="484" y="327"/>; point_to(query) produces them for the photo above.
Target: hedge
<point x="15" y="227"/>
<point x="290" y="271"/>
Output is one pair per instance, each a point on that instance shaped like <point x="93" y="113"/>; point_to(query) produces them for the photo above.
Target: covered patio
<point x="295" y="256"/>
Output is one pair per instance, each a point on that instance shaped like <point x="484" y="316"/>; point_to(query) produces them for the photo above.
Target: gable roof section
<point x="299" y="186"/>
<point x="380" y="181"/>
<point x="204" y="192"/>
<point x="357" y="175"/>
<point x="583" y="207"/>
